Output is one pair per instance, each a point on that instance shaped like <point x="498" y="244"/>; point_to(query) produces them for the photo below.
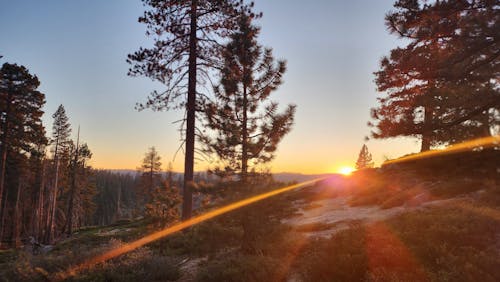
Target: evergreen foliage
<point x="61" y="130"/>
<point x="22" y="139"/>
<point x="443" y="85"/>
<point x="247" y="131"/>
<point x="187" y="37"/>
<point x="164" y="205"/>
<point x="151" y="177"/>
<point x="364" y="159"/>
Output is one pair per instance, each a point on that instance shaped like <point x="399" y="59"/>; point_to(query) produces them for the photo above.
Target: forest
<point x="427" y="216"/>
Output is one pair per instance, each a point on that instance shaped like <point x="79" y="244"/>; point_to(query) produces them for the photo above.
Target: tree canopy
<point x="442" y="86"/>
<point x="246" y="129"/>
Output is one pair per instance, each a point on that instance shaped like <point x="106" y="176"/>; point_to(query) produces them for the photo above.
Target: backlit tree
<point x="151" y="173"/>
<point x="187" y="39"/>
<point x="246" y="130"/>
<point x="364" y="159"/>
<point x="21" y="129"/>
<point x="442" y="86"/>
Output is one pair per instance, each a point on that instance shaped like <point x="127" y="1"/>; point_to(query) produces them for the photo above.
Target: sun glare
<point x="346" y="170"/>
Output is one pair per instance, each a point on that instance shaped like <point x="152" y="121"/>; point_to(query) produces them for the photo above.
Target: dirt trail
<point x="328" y="216"/>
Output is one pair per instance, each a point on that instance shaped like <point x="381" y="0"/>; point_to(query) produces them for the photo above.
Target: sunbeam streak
<point x="485" y="142"/>
<point x="175" y="228"/>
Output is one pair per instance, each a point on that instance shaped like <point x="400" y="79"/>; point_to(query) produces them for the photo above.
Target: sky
<point x="332" y="47"/>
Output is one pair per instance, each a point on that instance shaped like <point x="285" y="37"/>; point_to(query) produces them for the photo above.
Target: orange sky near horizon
<point x="305" y="161"/>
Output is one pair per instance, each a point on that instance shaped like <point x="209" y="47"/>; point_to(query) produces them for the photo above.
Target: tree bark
<point x="41" y="201"/>
<point x="17" y="222"/>
<point x="427" y="130"/>
<point x="51" y="227"/>
<point x="244" y="143"/>
<point x="187" y="203"/>
<point x="69" y="217"/>
<point x="2" y="222"/>
<point x="3" y="155"/>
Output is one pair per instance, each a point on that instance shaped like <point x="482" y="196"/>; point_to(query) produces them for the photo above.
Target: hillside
<point x="388" y="224"/>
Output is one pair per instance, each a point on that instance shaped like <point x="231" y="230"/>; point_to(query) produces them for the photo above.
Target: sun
<point x="346" y="170"/>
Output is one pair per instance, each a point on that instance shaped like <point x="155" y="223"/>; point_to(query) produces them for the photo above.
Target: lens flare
<point x="485" y="142"/>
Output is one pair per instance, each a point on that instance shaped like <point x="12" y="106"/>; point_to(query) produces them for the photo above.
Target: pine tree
<point x="441" y="86"/>
<point x="151" y="174"/>
<point x="164" y="203"/>
<point x="78" y="178"/>
<point x="60" y="140"/>
<point x="364" y="159"/>
<point x="21" y="131"/>
<point x="187" y="38"/>
<point x="247" y="132"/>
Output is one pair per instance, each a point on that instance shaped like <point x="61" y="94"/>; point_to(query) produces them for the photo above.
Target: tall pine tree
<point x="247" y="132"/>
<point x="60" y="140"/>
<point x="187" y="37"/>
<point x="21" y="130"/>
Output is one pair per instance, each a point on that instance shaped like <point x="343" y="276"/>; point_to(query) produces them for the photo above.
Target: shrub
<point x="242" y="268"/>
<point x="340" y="258"/>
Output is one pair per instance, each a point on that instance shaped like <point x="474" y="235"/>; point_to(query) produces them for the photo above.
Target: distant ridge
<point x="299" y="177"/>
<point x="281" y="176"/>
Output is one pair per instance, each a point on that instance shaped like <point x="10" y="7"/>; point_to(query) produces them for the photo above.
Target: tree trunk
<point x="118" y="207"/>
<point x="427" y="130"/>
<point x="17" y="222"/>
<point x="485" y="124"/>
<point x="41" y="201"/>
<point x="244" y="141"/>
<point x="51" y="228"/>
<point x="187" y="203"/>
<point x="2" y="222"/>
<point x="69" y="222"/>
<point x="3" y="155"/>
<point x="149" y="191"/>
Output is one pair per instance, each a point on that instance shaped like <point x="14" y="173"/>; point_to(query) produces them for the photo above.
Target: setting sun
<point x="346" y="170"/>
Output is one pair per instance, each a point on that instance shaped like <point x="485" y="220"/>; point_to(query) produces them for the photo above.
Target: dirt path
<point x="325" y="217"/>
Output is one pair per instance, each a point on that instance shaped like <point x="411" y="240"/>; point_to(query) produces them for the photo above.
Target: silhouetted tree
<point x="247" y="132"/>
<point x="60" y="140"/>
<point x="78" y="179"/>
<point x="151" y="173"/>
<point x="21" y="131"/>
<point x="442" y="85"/>
<point x="364" y="159"/>
<point x="187" y="38"/>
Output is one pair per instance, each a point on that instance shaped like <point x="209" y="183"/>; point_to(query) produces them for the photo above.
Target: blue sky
<point x="78" y="51"/>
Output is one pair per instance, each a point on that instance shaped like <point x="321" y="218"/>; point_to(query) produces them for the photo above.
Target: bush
<point x="242" y="268"/>
<point x="340" y="258"/>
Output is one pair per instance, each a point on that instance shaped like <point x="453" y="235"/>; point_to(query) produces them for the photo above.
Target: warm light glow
<point x="484" y="142"/>
<point x="346" y="170"/>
